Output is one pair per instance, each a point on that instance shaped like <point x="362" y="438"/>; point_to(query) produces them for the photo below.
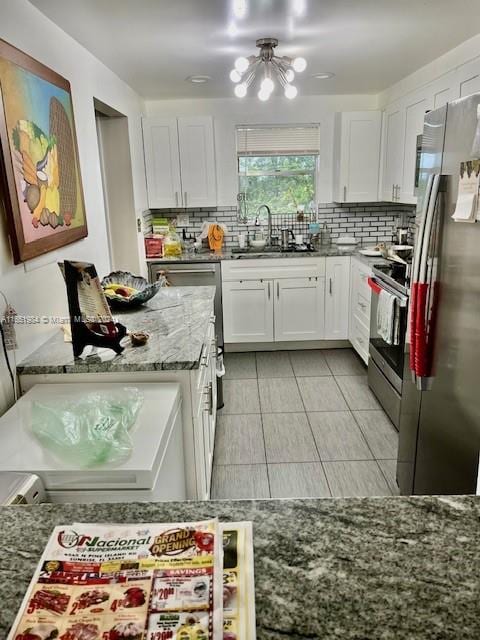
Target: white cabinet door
<point x="337" y="295"/>
<point x="299" y="309"/>
<point x="357" y="151"/>
<point x="393" y="152"/>
<point x="197" y="161"/>
<point x="468" y="78"/>
<point x="248" y="311"/>
<point x="443" y="90"/>
<point x="162" y="162"/>
<point x="415" y="108"/>
<point x="360" y="302"/>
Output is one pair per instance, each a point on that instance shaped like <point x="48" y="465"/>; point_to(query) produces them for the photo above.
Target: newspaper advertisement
<point x="238" y="582"/>
<point x="126" y="582"/>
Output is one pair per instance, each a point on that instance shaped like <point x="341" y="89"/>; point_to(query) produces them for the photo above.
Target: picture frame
<point x="40" y="180"/>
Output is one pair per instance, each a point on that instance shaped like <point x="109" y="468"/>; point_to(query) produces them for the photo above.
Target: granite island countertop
<point x="176" y="319"/>
<point x="361" y="568"/>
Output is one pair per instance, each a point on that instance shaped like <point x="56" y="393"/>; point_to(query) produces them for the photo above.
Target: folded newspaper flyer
<point x="142" y="582"/>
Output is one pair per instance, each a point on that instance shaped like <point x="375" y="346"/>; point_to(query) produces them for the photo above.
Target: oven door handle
<point x="374" y="286"/>
<point x="377" y="288"/>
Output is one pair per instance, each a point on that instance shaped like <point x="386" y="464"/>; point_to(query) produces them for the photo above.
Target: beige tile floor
<point x="301" y="424"/>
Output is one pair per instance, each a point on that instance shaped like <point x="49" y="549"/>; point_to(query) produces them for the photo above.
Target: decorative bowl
<point x="123" y="290"/>
<point x="258" y="244"/>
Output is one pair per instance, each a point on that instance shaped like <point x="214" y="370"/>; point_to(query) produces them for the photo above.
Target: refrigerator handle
<point x="415" y="272"/>
<point x="421" y="329"/>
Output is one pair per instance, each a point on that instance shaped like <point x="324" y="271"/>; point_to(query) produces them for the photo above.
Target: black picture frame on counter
<point x="91" y="320"/>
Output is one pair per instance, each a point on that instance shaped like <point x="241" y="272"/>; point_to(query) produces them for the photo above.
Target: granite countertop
<point x="365" y="569"/>
<point x="176" y="320"/>
<point x="210" y="256"/>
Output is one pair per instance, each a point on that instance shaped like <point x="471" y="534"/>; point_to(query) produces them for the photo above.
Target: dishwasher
<point x="193" y="274"/>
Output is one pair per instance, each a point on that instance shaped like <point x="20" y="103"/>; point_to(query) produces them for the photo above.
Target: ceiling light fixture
<point x="198" y="79"/>
<point x="323" y="75"/>
<point x="270" y="66"/>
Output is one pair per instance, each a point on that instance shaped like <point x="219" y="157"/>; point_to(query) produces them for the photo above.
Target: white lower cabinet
<point x="248" y="311"/>
<point x="337" y="292"/>
<point x="360" y="301"/>
<point x="299" y="309"/>
<point x="275" y="300"/>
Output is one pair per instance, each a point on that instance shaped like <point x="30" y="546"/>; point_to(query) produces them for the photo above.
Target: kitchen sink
<point x="271" y="252"/>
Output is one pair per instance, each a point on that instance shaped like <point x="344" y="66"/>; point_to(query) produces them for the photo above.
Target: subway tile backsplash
<point x="370" y="222"/>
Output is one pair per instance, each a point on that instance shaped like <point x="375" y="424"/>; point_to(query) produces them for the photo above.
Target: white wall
<point x="229" y="112"/>
<point x="37" y="288"/>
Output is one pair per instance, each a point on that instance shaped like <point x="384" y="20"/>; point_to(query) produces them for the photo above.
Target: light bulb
<point x="267" y="85"/>
<point x="289" y="75"/>
<point x="263" y="95"/>
<point x="240" y="8"/>
<point x="299" y="65"/>
<point x="290" y="91"/>
<point x="235" y="76"/>
<point x="241" y="64"/>
<point x="241" y="90"/>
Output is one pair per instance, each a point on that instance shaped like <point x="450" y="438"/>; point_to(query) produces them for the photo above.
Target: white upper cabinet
<point x="357" y="156"/>
<point x="299" y="309"/>
<point x="415" y="106"/>
<point x="162" y="162"/>
<point x="443" y="90"/>
<point x="197" y="161"/>
<point x="337" y="298"/>
<point x="180" y="162"/>
<point x="468" y="78"/>
<point x="394" y="136"/>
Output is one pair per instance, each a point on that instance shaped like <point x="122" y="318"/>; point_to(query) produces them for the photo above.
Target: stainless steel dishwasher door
<point x="194" y="274"/>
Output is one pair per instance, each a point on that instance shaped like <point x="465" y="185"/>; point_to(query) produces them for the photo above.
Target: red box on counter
<point x="154" y="246"/>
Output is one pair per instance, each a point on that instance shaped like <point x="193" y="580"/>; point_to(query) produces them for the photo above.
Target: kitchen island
<point x="176" y="320"/>
<point x="181" y="348"/>
<point x="371" y="568"/>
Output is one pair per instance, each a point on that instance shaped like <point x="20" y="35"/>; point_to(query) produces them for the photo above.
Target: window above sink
<point x="278" y="166"/>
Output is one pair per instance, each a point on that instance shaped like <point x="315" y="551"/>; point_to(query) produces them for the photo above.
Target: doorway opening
<point x="117" y="182"/>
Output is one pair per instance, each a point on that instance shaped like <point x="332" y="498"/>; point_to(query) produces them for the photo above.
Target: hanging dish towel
<point x="215" y="237"/>
<point x="387" y="318"/>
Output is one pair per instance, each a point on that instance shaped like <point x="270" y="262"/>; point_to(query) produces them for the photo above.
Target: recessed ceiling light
<point x="198" y="79"/>
<point x="323" y="75"/>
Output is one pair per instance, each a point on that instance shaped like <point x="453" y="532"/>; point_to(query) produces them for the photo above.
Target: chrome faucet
<point x="269" y="227"/>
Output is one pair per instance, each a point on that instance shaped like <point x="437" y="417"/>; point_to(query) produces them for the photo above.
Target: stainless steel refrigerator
<point x="439" y="431"/>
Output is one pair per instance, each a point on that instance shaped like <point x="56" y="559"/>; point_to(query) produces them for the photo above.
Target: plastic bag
<point x="90" y="431"/>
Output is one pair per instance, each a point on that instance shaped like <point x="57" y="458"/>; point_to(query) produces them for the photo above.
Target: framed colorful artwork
<point x="40" y="181"/>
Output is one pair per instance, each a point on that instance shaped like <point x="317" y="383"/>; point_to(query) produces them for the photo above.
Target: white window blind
<point x="268" y="141"/>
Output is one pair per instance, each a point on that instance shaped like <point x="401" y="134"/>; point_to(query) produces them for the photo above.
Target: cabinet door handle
<point x="176" y="198"/>
<point x="268" y="289"/>
<point x="345" y="193"/>
<point x="330" y="286"/>
<point x="185" y="199"/>
<point x="278" y="290"/>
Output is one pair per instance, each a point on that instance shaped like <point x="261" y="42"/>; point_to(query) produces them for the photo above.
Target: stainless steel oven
<point x="385" y="368"/>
